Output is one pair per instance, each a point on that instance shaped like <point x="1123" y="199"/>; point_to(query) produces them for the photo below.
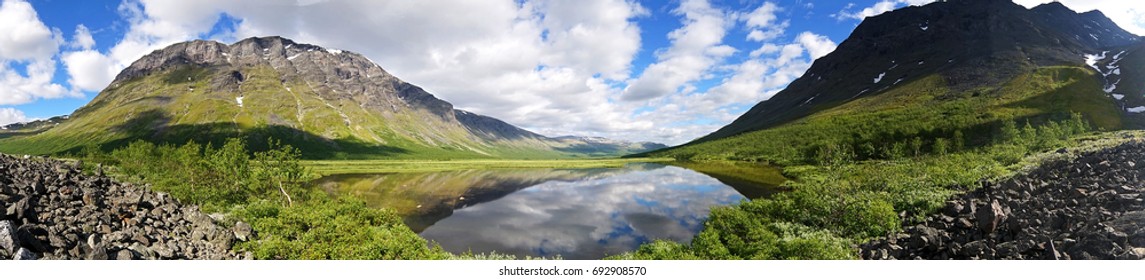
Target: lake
<point x="571" y="213"/>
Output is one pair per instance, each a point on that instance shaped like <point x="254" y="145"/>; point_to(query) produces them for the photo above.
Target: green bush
<point x="332" y="229"/>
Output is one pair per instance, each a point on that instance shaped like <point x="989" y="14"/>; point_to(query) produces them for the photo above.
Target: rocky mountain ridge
<point x="972" y="44"/>
<point x="316" y="98"/>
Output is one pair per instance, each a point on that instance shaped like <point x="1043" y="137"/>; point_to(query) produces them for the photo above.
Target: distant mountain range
<point x="329" y="103"/>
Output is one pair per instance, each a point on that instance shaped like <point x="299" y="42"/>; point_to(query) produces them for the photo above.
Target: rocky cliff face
<point x="322" y="100"/>
<point x="970" y="43"/>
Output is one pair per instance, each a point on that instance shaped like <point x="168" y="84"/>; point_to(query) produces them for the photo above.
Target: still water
<point x="571" y="213"/>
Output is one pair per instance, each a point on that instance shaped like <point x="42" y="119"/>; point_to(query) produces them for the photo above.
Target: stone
<point x="94" y="240"/>
<point x="25" y="254"/>
<point x="124" y="255"/>
<point x="21" y="209"/>
<point x="8" y="240"/>
<point x="97" y="253"/>
<point x="142" y="239"/>
<point x="163" y="251"/>
<point x="243" y="231"/>
<point x="1140" y="252"/>
<point x="991" y="217"/>
<point x="144" y="252"/>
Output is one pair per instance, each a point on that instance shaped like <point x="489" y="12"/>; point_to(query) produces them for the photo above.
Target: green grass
<point x="331" y="167"/>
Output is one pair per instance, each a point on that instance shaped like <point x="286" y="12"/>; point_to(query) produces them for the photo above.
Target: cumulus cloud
<point x="89" y="69"/>
<point x="1130" y="15"/>
<point x="763" y="23"/>
<point x="554" y="67"/>
<point x="11" y="115"/>
<point x="877" y="9"/>
<point x="27" y="46"/>
<point x="24" y="37"/>
<point x="82" y="38"/>
<point x="817" y="45"/>
<point x="694" y="50"/>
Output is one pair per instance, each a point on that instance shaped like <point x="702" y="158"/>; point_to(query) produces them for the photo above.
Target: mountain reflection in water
<point x="571" y="213"/>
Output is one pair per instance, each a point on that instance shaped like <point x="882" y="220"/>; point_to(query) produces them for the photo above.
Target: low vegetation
<point x="831" y="207"/>
<point x="267" y="189"/>
<point x="862" y="169"/>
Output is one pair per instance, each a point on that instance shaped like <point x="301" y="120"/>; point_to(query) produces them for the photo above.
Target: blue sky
<point x="665" y="71"/>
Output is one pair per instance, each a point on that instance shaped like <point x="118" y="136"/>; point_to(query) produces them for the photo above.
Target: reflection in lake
<point x="576" y="214"/>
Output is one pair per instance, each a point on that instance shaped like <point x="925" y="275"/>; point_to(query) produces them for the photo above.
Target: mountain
<point x="605" y="146"/>
<point x="329" y="103"/>
<point x="929" y="71"/>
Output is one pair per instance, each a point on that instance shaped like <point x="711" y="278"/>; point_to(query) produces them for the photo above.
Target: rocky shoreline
<point x="1088" y="208"/>
<point x="50" y="210"/>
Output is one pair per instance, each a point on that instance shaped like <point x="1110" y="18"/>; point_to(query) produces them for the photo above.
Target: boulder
<point x="991" y="217"/>
<point x="25" y="254"/>
<point x="9" y="243"/>
<point x="243" y="231"/>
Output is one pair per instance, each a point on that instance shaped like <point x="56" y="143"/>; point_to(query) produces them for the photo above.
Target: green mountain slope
<point x="329" y="103"/>
<point x="887" y="125"/>
<point x="910" y="80"/>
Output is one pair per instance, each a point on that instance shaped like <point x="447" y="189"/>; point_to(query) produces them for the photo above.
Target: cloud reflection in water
<point x="587" y="219"/>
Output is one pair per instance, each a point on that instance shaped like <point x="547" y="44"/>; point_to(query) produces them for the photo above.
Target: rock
<point x="51" y="211"/>
<point x="8" y="241"/>
<point x="139" y="237"/>
<point x="1140" y="252"/>
<point x="243" y="231"/>
<point x="27" y="236"/>
<point x="25" y="254"/>
<point x="97" y="253"/>
<point x="94" y="240"/>
<point x="124" y="255"/>
<point x="21" y="210"/>
<point x="978" y="249"/>
<point x="163" y="251"/>
<point x="221" y="238"/>
<point x="991" y="217"/>
<point x="143" y="252"/>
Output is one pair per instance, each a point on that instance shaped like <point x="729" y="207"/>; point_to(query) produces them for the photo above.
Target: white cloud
<point x="26" y="45"/>
<point x="554" y="67"/>
<point x="689" y="56"/>
<point x="11" y="115"/>
<point x="24" y="36"/>
<point x="82" y="38"/>
<point x="89" y="69"/>
<point x="763" y="23"/>
<point x="1130" y="15"/>
<point x="877" y="9"/>
<point x="817" y="45"/>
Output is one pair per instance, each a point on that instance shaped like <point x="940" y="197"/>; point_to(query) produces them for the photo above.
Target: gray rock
<point x="124" y="255"/>
<point x="8" y="241"/>
<point x="97" y="253"/>
<point x="243" y="231"/>
<point x="94" y="240"/>
<point x="143" y="252"/>
<point x="25" y="254"/>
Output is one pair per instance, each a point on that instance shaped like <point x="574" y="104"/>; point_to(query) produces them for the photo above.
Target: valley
<point x="949" y="130"/>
